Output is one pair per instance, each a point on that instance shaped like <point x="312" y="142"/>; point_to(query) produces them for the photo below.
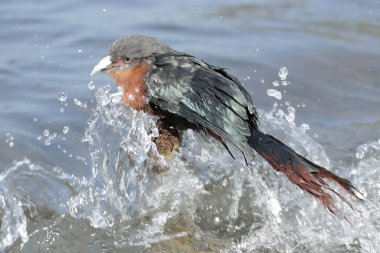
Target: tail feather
<point x="299" y="170"/>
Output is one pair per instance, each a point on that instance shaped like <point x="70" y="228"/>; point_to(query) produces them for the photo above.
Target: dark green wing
<point x="204" y="95"/>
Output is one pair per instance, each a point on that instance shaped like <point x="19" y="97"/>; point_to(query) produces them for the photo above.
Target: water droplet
<point x="62" y="97"/>
<point x="361" y="152"/>
<point x="9" y="140"/>
<point x="35" y="119"/>
<point x="104" y="10"/>
<point x="275" y="83"/>
<point x="79" y="50"/>
<point x="77" y="102"/>
<point x="291" y="116"/>
<point x="304" y="127"/>
<point x="47" y="142"/>
<point x="283" y="73"/>
<point x="65" y="129"/>
<point x="216" y="220"/>
<point x="262" y="80"/>
<point x="110" y="221"/>
<point x="251" y="109"/>
<point x="131" y="97"/>
<point x="91" y="85"/>
<point x="46" y="133"/>
<point x="120" y="90"/>
<point x="116" y="99"/>
<point x="53" y="136"/>
<point x="102" y="95"/>
<point x="274" y="93"/>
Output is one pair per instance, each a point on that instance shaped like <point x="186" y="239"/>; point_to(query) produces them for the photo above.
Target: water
<point x="78" y="171"/>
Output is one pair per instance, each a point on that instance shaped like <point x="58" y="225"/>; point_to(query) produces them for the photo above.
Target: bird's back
<point x="203" y="94"/>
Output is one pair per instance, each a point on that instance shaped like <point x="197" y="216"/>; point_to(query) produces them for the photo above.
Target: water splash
<point x="125" y="185"/>
<point x="13" y="220"/>
<point x="24" y="189"/>
<point x="274" y="93"/>
<point x="283" y="73"/>
<point x="303" y="224"/>
<point x="62" y="97"/>
<point x="227" y="201"/>
<point x="121" y="147"/>
<point x="197" y="199"/>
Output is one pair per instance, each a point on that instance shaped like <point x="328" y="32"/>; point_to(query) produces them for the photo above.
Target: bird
<point x="186" y="92"/>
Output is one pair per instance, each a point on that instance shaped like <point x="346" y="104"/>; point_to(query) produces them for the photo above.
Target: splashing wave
<point x="197" y="199"/>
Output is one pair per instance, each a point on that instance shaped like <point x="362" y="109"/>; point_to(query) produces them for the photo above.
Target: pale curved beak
<point x="103" y="65"/>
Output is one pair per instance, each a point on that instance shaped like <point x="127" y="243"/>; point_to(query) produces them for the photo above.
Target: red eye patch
<point x="120" y="62"/>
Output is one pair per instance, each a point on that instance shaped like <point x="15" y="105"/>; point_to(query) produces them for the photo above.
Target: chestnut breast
<point x="132" y="82"/>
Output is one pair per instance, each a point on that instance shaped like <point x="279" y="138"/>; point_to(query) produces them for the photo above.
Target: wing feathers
<point x="202" y="95"/>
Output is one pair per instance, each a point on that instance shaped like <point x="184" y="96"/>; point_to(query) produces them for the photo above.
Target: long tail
<point x="302" y="172"/>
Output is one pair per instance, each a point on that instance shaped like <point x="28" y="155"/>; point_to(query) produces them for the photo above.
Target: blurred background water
<point x="61" y="159"/>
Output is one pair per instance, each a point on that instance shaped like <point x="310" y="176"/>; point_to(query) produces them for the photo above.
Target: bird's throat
<point x="132" y="82"/>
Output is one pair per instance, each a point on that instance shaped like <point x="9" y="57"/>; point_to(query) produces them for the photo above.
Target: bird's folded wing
<point x="200" y="94"/>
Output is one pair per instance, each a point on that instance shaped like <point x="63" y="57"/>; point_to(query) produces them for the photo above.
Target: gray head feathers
<point x="137" y="46"/>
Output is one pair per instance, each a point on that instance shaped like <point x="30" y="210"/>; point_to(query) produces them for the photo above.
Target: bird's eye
<point x="127" y="59"/>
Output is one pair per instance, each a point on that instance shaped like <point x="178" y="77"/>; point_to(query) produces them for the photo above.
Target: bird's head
<point x="128" y="52"/>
